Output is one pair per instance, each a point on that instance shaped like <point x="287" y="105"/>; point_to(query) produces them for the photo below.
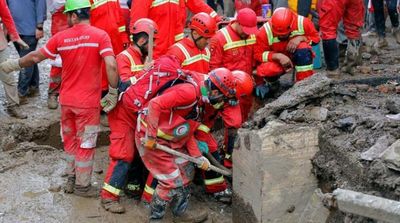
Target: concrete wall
<point x="272" y="171"/>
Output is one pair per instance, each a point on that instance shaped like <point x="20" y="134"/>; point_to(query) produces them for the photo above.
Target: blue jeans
<point x="380" y="17"/>
<point x="29" y="76"/>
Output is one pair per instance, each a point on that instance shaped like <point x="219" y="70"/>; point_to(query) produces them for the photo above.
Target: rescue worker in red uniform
<point x="233" y="47"/>
<point x="80" y="89"/>
<point x="284" y="43"/>
<point x="122" y="122"/>
<point x="331" y="12"/>
<point x="58" y="23"/>
<point x="169" y="123"/>
<point x="192" y="51"/>
<point x="170" y="16"/>
<point x="106" y="15"/>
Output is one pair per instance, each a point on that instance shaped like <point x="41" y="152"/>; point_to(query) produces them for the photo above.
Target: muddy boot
<point x="14" y="111"/>
<point x="52" y="102"/>
<point x="179" y="206"/>
<point x="112" y="206"/>
<point x="353" y="56"/>
<point x="224" y="196"/>
<point x="342" y="52"/>
<point x="191" y="216"/>
<point x="23" y="100"/>
<point x="380" y="43"/>
<point x="33" y="92"/>
<point x="88" y="191"/>
<point x="396" y="34"/>
<point x="333" y="74"/>
<point x="69" y="186"/>
<point x="157" y="208"/>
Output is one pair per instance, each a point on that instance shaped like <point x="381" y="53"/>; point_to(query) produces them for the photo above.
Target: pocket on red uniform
<point x="120" y="147"/>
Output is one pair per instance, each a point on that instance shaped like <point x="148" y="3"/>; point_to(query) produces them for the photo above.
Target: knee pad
<point x="302" y="57"/>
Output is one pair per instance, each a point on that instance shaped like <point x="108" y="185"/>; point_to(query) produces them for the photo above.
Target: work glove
<point x="10" y="65"/>
<point x="150" y="143"/>
<point x="205" y="165"/>
<point x="109" y="101"/>
<point x="203" y="147"/>
<point x="262" y="91"/>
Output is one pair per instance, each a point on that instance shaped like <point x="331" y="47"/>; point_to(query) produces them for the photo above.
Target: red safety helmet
<point x="204" y="24"/>
<point x="223" y="79"/>
<point x="144" y="25"/>
<point x="281" y="21"/>
<point x="244" y="83"/>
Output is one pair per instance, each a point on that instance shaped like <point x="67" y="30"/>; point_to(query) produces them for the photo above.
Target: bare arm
<point x="31" y="59"/>
<point x="111" y="68"/>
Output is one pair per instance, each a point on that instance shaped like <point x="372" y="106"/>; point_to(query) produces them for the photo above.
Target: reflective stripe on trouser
<point x="115" y="179"/>
<point x="214" y="182"/>
<point x="149" y="188"/>
<point x="303" y="61"/>
<point x="79" y="132"/>
<point x="165" y="169"/>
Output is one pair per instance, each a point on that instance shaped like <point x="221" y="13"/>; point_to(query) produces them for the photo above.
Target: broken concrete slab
<point x="367" y="205"/>
<point x="315" y="211"/>
<point x="391" y="156"/>
<point x="316" y="86"/>
<point x="273" y="173"/>
<point x="377" y="150"/>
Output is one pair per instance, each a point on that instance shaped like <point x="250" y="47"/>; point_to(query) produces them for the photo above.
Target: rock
<point x="391" y="156"/>
<point x="54" y="188"/>
<point x="366" y="56"/>
<point x="392" y="106"/>
<point x="378" y="148"/>
<point x="346" y="123"/>
<point x="365" y="69"/>
<point x="318" y="113"/>
<point x="317" y="86"/>
<point x="284" y="115"/>
<point x="363" y="87"/>
<point x="385" y="88"/>
<point x="8" y="143"/>
<point x="397" y="89"/>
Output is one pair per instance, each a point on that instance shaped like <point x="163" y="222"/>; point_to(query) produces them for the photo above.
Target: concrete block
<point x="272" y="170"/>
<point x="391" y="156"/>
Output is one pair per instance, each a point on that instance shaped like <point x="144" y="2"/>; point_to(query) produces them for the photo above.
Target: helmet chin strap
<point x="195" y="40"/>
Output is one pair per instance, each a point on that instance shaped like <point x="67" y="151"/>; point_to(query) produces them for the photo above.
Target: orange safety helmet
<point x="281" y="21"/>
<point x="204" y="24"/>
<point x="144" y="25"/>
<point x="223" y="79"/>
<point x="244" y="83"/>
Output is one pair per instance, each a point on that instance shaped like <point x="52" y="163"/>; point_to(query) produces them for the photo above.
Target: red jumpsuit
<point x="58" y="23"/>
<point x="268" y="44"/>
<point x="230" y="51"/>
<point x="331" y="12"/>
<point x="122" y="121"/>
<point x="191" y="57"/>
<point x="170" y="16"/>
<point x="130" y="63"/>
<point x="168" y="113"/>
<point x="106" y="15"/>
